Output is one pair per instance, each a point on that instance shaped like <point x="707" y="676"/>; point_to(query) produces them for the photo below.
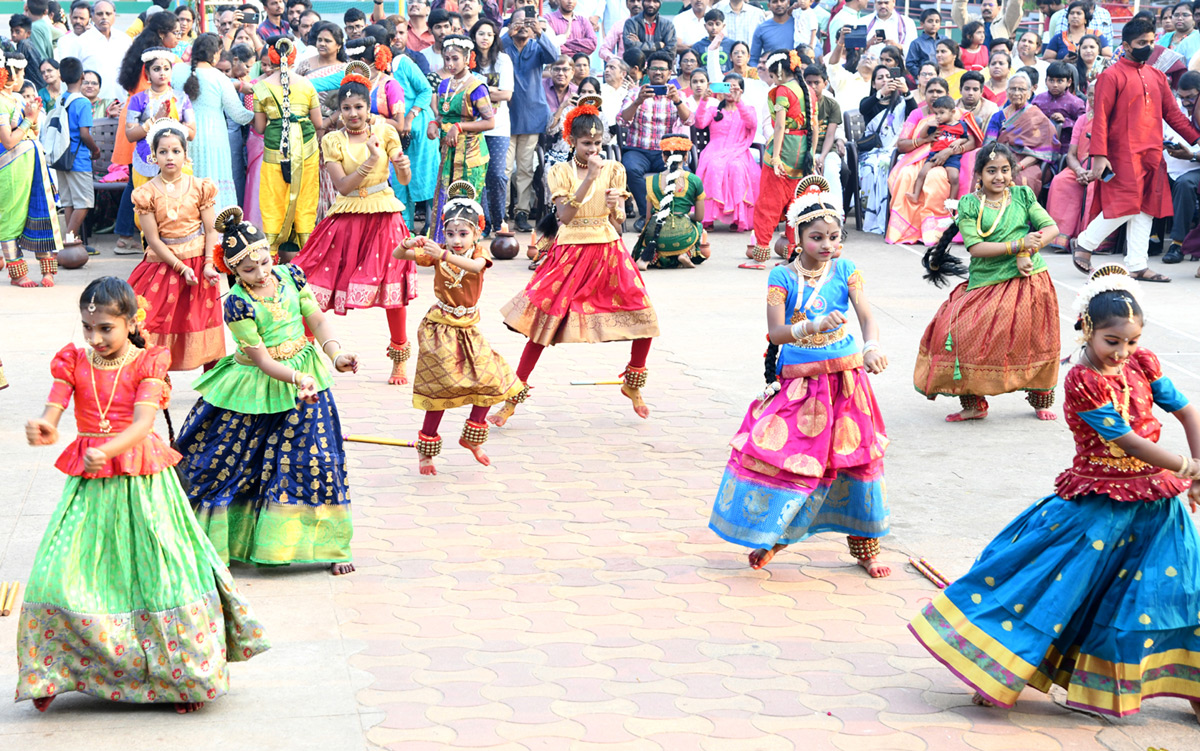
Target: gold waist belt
<point x="285" y="351"/>
<point x="1121" y="464"/>
<point x="820" y="339"/>
<point x="588" y="221"/>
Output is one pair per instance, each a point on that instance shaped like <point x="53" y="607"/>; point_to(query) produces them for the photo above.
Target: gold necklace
<point x="169" y="185"/>
<point x="130" y="353"/>
<point x="271" y="302"/>
<point x="452" y="91"/>
<point x="453" y="273"/>
<point x="810" y="277"/>
<point x="999" y="213"/>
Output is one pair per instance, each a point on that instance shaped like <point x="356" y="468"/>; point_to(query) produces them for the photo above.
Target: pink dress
<point x="726" y="167"/>
<point x="1067" y="197"/>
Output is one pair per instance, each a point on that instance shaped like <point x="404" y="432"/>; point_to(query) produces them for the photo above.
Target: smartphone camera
<point x="658" y="90"/>
<point x="250" y="16"/>
<point x="719" y="87"/>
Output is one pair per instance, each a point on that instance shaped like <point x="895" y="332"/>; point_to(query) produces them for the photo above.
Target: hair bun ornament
<point x="588" y="104"/>
<point x="356" y="47"/>
<point x="812" y="202"/>
<point x="281" y="49"/>
<point x="675" y="142"/>
<point x="228" y="219"/>
<point x="779" y="56"/>
<point x="161" y="124"/>
<point x="461" y="203"/>
<point x="795" y="62"/>
<point x="357" y="72"/>
<point x="1110" y="277"/>
<point x="461" y="189"/>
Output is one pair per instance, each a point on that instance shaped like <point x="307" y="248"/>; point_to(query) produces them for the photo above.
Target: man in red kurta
<point x="1132" y="101"/>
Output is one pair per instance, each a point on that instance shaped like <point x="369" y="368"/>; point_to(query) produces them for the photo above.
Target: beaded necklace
<point x="99" y="362"/>
<point x="272" y="302"/>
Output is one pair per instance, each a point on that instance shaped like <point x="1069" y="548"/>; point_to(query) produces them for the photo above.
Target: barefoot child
<point x="262" y="447"/>
<point x="672" y="238"/>
<point x="1097" y="587"/>
<point x="815" y="435"/>
<point x="587" y="289"/>
<point x="998" y="331"/>
<point x="127" y="599"/>
<point x="177" y="275"/>
<point x="951" y="133"/>
<point x="348" y="259"/>
<point x="455" y="364"/>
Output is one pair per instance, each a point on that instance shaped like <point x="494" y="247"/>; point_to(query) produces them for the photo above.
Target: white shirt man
<point x="853" y="13"/>
<point x="741" y="23"/>
<point x="101" y="48"/>
<point x="689" y="25"/>
<point x="809" y="19"/>
<point x="896" y="28"/>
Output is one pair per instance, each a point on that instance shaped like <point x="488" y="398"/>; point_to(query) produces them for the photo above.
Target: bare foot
<point x="398" y="376"/>
<point x="762" y="556"/>
<point x="44" y="703"/>
<point x="185" y="707"/>
<point x="642" y="265"/>
<point x="1196" y="709"/>
<point x="639" y="404"/>
<point x="426" y="465"/>
<point x="967" y="414"/>
<point x="477" y="450"/>
<point x="338" y="569"/>
<point x="24" y="281"/>
<point x="1045" y="414"/>
<point x="685" y="261"/>
<point x="502" y="416"/>
<point x="48" y="280"/>
<point x="979" y="700"/>
<point x="876" y="568"/>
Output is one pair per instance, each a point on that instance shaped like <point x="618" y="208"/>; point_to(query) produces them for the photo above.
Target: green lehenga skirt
<point x="128" y="600"/>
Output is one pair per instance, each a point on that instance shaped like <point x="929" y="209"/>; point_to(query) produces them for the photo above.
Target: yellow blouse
<point x="591" y="224"/>
<point x="374" y="194"/>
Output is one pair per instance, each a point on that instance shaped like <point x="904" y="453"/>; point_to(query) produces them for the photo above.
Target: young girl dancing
<point x="177" y="275"/>
<point x="148" y="105"/>
<point x="587" y="289"/>
<point x="1097" y="587"/>
<point x="455" y="364"/>
<point x="998" y="332"/>
<point x="348" y="259"/>
<point x="127" y="599"/>
<point x="808" y="457"/>
<point x="262" y="448"/>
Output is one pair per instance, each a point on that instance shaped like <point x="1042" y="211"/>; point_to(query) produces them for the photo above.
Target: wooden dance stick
<point x="380" y="441"/>
<point x="3" y="595"/>
<point x="596" y="383"/>
<point x="927" y="573"/>
<point x="935" y="572"/>
<point x="11" y="600"/>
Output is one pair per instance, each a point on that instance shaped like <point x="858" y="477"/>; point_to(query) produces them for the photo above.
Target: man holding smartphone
<point x="529" y="114"/>
<point x="651" y="112"/>
<point x="1131" y="102"/>
<point x="898" y="30"/>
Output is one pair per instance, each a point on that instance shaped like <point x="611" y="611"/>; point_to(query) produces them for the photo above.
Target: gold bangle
<point x="573" y="202"/>
<point x="1008" y="249"/>
<point x="1023" y="254"/>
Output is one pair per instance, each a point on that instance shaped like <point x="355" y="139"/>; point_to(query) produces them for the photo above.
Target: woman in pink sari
<point x="924" y="220"/>
<point x="1023" y="128"/>
<point x="725" y="166"/>
<point x="1072" y="189"/>
<point x="254" y="157"/>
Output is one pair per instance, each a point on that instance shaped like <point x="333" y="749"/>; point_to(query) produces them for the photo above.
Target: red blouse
<point x="1101" y="466"/>
<point x="142" y="381"/>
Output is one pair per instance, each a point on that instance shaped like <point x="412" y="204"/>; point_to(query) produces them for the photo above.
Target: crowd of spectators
<point x="1025" y="80"/>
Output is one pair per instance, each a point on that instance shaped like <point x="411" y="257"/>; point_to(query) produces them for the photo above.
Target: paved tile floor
<point x="571" y="595"/>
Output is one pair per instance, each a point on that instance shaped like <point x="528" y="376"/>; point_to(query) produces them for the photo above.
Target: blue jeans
<point x="237" y="158"/>
<point x="637" y="163"/>
<point x="495" y="198"/>
<point x="125" y="226"/>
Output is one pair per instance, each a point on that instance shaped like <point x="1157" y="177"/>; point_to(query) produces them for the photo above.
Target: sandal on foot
<point x="1082" y="259"/>
<point x="751" y="265"/>
<point x="1149" y="275"/>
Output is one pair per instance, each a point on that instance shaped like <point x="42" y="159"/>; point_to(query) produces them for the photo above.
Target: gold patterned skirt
<point x="584" y="293"/>
<point x="456" y="366"/>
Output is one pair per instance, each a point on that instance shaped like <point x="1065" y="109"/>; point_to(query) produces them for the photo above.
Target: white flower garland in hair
<point x="158" y="53"/>
<point x="1111" y="277"/>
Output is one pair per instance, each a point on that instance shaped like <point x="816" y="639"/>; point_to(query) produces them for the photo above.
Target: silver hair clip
<point x="91" y="308"/>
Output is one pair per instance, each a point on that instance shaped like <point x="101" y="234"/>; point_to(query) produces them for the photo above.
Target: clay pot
<point x="505" y="246"/>
<point x="73" y="257"/>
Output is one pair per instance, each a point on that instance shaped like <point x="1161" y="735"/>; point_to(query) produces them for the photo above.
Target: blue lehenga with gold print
<point x="1095" y="588"/>
<point x="266" y="473"/>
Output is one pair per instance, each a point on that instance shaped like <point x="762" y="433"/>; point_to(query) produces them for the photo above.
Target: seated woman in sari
<point x="923" y="220"/>
<point x="1072" y="188"/>
<point x="1026" y="130"/>
<point x="884" y="112"/>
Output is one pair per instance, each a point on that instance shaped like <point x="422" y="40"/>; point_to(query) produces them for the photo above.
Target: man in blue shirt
<point x="529" y="114"/>
<point x="924" y="46"/>
<point x="775" y="33"/>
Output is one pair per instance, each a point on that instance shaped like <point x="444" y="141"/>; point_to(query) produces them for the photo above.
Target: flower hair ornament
<point x="3" y="69"/>
<point x="357" y="72"/>
<point x="383" y="58"/>
<point x="812" y="202"/>
<point x="463" y="43"/>
<point x="674" y="143"/>
<point x="461" y="205"/>
<point x="241" y="240"/>
<point x="283" y="48"/>
<point x="157" y="53"/>
<point x="166" y="125"/>
<point x="1111" y="277"/>
<point x="589" y="104"/>
<point x="356" y="47"/>
<point x="17" y="63"/>
<point x="788" y="57"/>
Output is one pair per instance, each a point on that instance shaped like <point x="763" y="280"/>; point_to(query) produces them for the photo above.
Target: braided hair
<point x="115" y="294"/>
<point x="204" y="50"/>
<point x="284" y="48"/>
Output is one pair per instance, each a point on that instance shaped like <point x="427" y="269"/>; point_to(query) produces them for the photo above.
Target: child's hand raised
<point x="613" y="198"/>
<point x="94" y="460"/>
<point x="39" y="432"/>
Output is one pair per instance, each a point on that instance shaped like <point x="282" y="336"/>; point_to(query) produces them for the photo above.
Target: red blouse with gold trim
<point x="141" y="381"/>
<point x="1097" y="415"/>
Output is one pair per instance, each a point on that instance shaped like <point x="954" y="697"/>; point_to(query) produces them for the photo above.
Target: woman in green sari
<point x="464" y="113"/>
<point x="672" y="238"/>
<point x="289" y="183"/>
